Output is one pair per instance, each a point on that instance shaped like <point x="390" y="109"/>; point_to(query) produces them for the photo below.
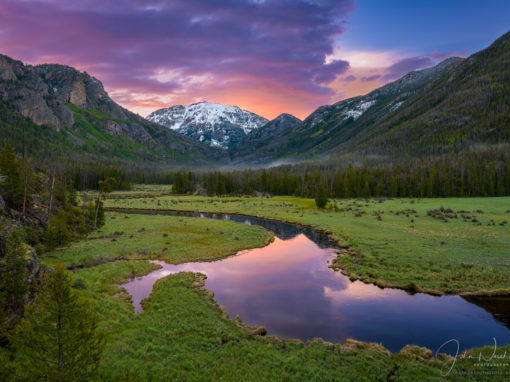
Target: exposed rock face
<point x="259" y="331"/>
<point x="35" y="271"/>
<point x="41" y="93"/>
<point x="78" y="94"/>
<point x="6" y="72"/>
<point x="63" y="98"/>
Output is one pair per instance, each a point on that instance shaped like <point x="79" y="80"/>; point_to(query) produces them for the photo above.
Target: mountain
<point x="457" y="105"/>
<point x="331" y="126"/>
<point x="214" y="124"/>
<point x="57" y="112"/>
<point x="468" y="107"/>
<point x="256" y="147"/>
<point x="67" y="114"/>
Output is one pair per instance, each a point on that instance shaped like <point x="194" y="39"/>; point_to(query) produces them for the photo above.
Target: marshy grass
<point x="400" y="241"/>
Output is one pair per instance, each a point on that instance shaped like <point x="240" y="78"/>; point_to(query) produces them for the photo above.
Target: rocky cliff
<point x="76" y="104"/>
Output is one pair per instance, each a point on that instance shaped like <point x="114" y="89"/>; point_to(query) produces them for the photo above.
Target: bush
<point x="79" y="284"/>
<point x="321" y="198"/>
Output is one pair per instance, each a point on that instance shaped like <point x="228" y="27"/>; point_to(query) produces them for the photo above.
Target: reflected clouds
<point x="288" y="288"/>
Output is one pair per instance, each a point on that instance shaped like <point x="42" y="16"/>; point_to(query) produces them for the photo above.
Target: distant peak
<point x="214" y="124"/>
<point x="287" y="116"/>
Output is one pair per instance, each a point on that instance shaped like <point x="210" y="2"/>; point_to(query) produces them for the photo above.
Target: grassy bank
<point x="451" y="245"/>
<point x="172" y="239"/>
<point x="184" y="335"/>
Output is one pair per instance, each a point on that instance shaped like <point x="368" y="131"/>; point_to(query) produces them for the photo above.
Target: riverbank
<point x="438" y="246"/>
<point x="184" y="334"/>
<point x="171" y="239"/>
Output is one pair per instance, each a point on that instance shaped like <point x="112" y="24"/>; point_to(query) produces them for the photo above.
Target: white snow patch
<point x="396" y="106"/>
<point x="358" y="110"/>
<point x="204" y="117"/>
<point x="214" y="142"/>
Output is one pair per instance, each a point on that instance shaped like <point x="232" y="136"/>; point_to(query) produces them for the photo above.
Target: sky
<point x="266" y="56"/>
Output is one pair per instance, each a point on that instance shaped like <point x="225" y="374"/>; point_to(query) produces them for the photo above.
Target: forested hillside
<point x="38" y="212"/>
<point x="459" y="104"/>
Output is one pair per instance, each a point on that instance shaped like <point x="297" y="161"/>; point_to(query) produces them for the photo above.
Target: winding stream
<point x="288" y="288"/>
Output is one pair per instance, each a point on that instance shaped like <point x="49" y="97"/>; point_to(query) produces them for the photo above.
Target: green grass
<point x="137" y="191"/>
<point x="183" y="334"/>
<point x="172" y="239"/>
<point x="394" y="246"/>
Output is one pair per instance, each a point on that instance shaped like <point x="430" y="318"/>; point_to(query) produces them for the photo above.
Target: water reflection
<point x="288" y="288"/>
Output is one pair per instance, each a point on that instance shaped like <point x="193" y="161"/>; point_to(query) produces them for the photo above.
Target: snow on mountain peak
<point x="211" y="123"/>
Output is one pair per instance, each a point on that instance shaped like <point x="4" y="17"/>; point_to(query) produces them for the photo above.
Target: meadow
<point x="183" y="334"/>
<point x="437" y="245"/>
<point x="172" y="239"/>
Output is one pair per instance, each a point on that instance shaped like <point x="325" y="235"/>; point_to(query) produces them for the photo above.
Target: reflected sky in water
<point x="288" y="288"/>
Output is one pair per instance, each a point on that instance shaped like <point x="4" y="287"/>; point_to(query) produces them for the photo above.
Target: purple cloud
<point x="370" y="78"/>
<point x="327" y="73"/>
<point x="283" y="42"/>
<point x="349" y="78"/>
<point x="440" y="56"/>
<point x="407" y="65"/>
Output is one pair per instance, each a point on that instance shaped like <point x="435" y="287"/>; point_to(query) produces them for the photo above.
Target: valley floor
<point x="183" y="334"/>
<point x="438" y="245"/>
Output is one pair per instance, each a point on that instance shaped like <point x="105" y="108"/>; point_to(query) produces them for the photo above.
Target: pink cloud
<point x="277" y="47"/>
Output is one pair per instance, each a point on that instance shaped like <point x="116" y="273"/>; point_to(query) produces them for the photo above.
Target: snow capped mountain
<point x="211" y="123"/>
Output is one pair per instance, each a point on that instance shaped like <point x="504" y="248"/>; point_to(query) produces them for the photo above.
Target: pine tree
<point x="178" y="184"/>
<point x="58" y="232"/>
<point x="321" y="198"/>
<point x="12" y="178"/>
<point x="12" y="274"/>
<point x="105" y="187"/>
<point x="29" y="183"/>
<point x="58" y="338"/>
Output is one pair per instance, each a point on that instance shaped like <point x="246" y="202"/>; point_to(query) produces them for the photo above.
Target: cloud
<point x="406" y="65"/>
<point x="369" y="70"/>
<point x="440" y="56"/>
<point x="370" y="78"/>
<point x="160" y="48"/>
<point x="409" y="64"/>
<point x="349" y="78"/>
<point x="328" y="72"/>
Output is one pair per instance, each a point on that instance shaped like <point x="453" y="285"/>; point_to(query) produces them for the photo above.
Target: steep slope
<point x="467" y="107"/>
<point x="257" y="146"/>
<point x="331" y="126"/>
<point x="214" y="124"/>
<point x="457" y="105"/>
<point x="67" y="113"/>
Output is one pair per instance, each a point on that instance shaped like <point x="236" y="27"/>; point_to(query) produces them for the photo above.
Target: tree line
<point x="47" y="330"/>
<point x="476" y="173"/>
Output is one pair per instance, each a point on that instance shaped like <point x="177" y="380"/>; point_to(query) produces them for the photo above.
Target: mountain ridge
<point x="214" y="124"/>
<point x="72" y="108"/>
<point x="456" y="105"/>
<point x="59" y="112"/>
<point x="330" y="125"/>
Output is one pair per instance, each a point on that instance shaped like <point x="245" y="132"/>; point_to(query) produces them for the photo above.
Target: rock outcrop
<point x="66" y="100"/>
